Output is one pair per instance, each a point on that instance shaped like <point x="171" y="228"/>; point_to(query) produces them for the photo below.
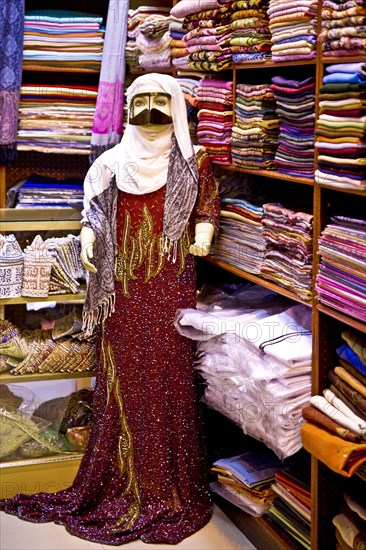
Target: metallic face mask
<point x="150" y="108"/>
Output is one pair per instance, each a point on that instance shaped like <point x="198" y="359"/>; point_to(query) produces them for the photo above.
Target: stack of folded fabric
<point x="254" y="353"/>
<point x="296" y="111"/>
<point x="337" y="419"/>
<point x="341" y="127"/>
<point x="56" y="118"/>
<point x="178" y="46"/>
<point x="60" y="349"/>
<point x="67" y="269"/>
<point x="60" y="39"/>
<point x="291" y="507"/>
<point x="215" y="118"/>
<point x="240" y="242"/>
<point x="343" y="28"/>
<point x="245" y="480"/>
<point x="208" y="32"/>
<point x="294" y="29"/>
<point x="251" y="37"/>
<point x="341" y="280"/>
<point x="288" y="257"/>
<point x="45" y="192"/>
<point x="156" y="19"/>
<point x="154" y="42"/>
<point x="350" y="523"/>
<point x="256" y="127"/>
<point x="189" y="86"/>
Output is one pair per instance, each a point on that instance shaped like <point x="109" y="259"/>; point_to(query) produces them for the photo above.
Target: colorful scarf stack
<point x="296" y="111"/>
<point x="46" y="192"/>
<point x="288" y="258"/>
<point x="62" y="39"/>
<point x="291" y="508"/>
<point x="215" y="103"/>
<point x="251" y="37"/>
<point x="343" y="28"/>
<point x="55" y="118"/>
<point x="189" y="87"/>
<point x="154" y="42"/>
<point x="240" y="242"/>
<point x="256" y="128"/>
<point x="156" y="26"/>
<point x="337" y="418"/>
<point x="11" y="53"/>
<point x="341" y="127"/>
<point x="208" y="32"/>
<point x="294" y="28"/>
<point x="179" y="50"/>
<point x="341" y="280"/>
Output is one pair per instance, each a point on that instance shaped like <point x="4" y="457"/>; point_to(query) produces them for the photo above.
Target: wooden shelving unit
<point x="50" y="473"/>
<point x="327" y="322"/>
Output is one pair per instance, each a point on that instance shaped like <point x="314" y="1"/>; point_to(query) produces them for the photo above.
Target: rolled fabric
<point x="343" y="457"/>
<point x="315" y="416"/>
<point x="327" y="408"/>
<point x="353" y="396"/>
<point x="351" y="380"/>
<point x="339" y="404"/>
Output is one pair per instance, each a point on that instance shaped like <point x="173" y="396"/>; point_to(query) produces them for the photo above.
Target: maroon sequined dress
<point x="143" y="474"/>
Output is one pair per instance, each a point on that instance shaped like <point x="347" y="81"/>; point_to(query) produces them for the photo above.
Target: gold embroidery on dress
<point x="125" y="455"/>
<point x="109" y="369"/>
<point x="145" y="247"/>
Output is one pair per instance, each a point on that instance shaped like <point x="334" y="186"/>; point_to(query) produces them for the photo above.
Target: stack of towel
<point x="215" y="118"/>
<point x="293" y="26"/>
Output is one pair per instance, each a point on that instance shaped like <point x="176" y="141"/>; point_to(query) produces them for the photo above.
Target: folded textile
<point x="316" y="416"/>
<point x="343" y="457"/>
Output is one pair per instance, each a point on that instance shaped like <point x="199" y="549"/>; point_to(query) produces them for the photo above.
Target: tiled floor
<point x="15" y="534"/>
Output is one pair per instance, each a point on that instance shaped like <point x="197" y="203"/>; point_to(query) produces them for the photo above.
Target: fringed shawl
<point x="180" y="198"/>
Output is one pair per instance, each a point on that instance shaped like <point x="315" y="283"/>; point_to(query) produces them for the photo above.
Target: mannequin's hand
<point x="203" y="238"/>
<point x="87" y="240"/>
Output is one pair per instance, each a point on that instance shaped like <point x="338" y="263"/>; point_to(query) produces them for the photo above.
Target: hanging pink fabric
<point x="108" y="117"/>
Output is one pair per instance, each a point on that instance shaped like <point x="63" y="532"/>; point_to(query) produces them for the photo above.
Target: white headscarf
<point x="140" y="161"/>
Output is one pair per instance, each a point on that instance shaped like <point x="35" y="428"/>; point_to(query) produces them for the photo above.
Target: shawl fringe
<point x="97" y="316"/>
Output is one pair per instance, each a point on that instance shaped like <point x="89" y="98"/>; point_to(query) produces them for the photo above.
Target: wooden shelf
<point x="39" y="219"/>
<point x="346" y="59"/>
<point x="261" y="531"/>
<point x="257" y="280"/>
<point x="267" y="64"/>
<point x="47" y="474"/>
<point x="360" y="192"/>
<point x="270" y="174"/>
<point x="346" y="319"/>
<point x="49" y="150"/>
<point x="62" y="457"/>
<point x="59" y="298"/>
<point x="7" y="378"/>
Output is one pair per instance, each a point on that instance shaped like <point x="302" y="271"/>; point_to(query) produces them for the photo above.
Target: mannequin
<point x="150" y="205"/>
